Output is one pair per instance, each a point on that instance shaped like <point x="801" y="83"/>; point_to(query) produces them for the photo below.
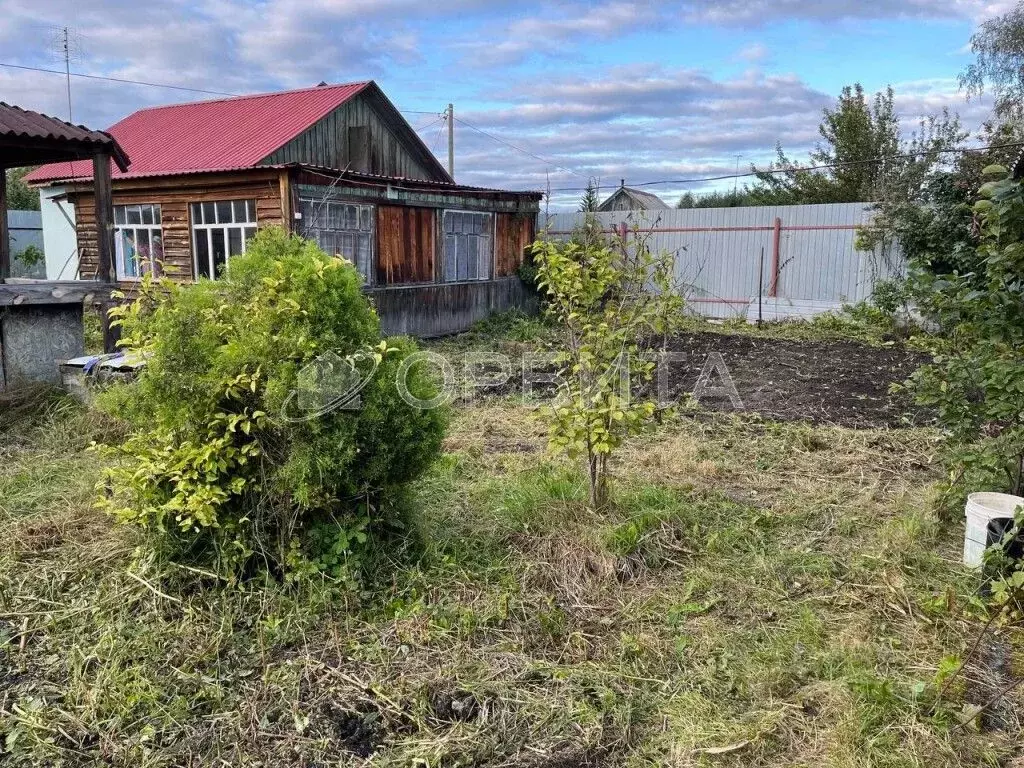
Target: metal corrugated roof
<point x="644" y="200"/>
<point x="212" y="135"/>
<point x="18" y="123"/>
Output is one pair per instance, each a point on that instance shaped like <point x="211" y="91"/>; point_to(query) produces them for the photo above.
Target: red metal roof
<point x="210" y="135"/>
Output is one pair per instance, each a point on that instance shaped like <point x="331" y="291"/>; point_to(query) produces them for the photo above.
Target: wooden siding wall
<point x="174" y="196"/>
<point x="325" y="143"/>
<point x="439" y="310"/>
<point x="406" y="244"/>
<point x="513" y="234"/>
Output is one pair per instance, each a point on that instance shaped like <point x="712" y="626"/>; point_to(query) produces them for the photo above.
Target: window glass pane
<point x="134" y="214"/>
<point x="218" y="251"/>
<point x="223" y="211"/>
<point x="461" y="248"/>
<point x="484" y="270"/>
<point x="449" y="271"/>
<point x="202" y="249"/>
<point x="143" y="250"/>
<point x="326" y="243"/>
<point x="131" y="268"/>
<point x="119" y="214"/>
<point x="365" y="222"/>
<point x="239" y="210"/>
<point x="250" y="207"/>
<point x="249" y="232"/>
<point x="351" y="217"/>
<point x="472" y="257"/>
<point x="156" y="214"/>
<point x="234" y="241"/>
<point x="363" y="254"/>
<point x="197" y="213"/>
<point x="209" y="213"/>
<point x="147" y="214"/>
<point x="158" y="251"/>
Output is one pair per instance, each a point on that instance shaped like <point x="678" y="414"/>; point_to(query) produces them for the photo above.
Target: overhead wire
<point x="547" y="161"/>
<point x="824" y="166"/>
<point x="519" y="149"/>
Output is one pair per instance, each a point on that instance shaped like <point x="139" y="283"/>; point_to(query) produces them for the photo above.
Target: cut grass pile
<point x="762" y="594"/>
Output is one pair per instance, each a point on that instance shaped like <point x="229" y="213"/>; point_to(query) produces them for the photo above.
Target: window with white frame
<point x="220" y="230"/>
<point x="468" y="246"/>
<point x="138" y="240"/>
<point x="341" y="229"/>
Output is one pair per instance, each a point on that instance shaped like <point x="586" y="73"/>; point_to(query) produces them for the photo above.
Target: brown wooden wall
<point x="513" y="233"/>
<point x="406" y="244"/>
<point x="173" y="195"/>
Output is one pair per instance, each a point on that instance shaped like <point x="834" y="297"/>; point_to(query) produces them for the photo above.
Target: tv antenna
<point x="66" y="45"/>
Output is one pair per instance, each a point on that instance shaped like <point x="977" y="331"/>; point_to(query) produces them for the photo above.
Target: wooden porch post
<point x="5" y="241"/>
<point x="105" y="273"/>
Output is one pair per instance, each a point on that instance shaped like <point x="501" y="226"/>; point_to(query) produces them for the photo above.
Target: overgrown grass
<point x="761" y="594"/>
<point x="861" y="322"/>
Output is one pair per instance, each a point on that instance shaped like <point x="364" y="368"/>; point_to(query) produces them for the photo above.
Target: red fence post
<point x="773" y="285"/>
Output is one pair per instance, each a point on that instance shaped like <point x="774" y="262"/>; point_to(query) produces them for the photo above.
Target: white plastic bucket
<point x="982" y="508"/>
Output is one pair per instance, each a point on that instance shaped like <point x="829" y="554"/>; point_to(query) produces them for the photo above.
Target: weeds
<point x="759" y="594"/>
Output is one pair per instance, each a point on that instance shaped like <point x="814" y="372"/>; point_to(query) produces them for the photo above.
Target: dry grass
<point x="762" y="595"/>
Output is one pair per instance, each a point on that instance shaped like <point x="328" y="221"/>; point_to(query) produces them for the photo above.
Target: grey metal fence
<point x="779" y="261"/>
<point x="25" y="230"/>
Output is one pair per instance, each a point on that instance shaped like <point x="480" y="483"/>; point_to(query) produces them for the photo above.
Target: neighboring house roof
<point x="37" y="134"/>
<point x="218" y="135"/>
<point x="640" y="200"/>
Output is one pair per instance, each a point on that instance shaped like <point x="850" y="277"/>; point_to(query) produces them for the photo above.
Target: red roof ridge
<point x="360" y="84"/>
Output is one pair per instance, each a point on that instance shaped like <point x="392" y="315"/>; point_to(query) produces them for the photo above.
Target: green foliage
<point x="608" y="299"/>
<point x="857" y="129"/>
<point x="589" y="201"/>
<point x="20" y="196"/>
<point x="1006" y="591"/>
<point x="730" y="199"/>
<point x="999" y="47"/>
<point x="217" y="468"/>
<point x="935" y="225"/>
<point x="31" y="255"/>
<point x="976" y="382"/>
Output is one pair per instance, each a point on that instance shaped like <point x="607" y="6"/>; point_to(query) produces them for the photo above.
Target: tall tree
<point x="999" y="47"/>
<point x="589" y="201"/>
<point x="20" y="196"/>
<point x="866" y="155"/>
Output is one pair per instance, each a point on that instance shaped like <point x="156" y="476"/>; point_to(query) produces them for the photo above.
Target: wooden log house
<point x="337" y="164"/>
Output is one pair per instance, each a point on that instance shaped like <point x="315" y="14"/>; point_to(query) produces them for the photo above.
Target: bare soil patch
<point x="825" y="382"/>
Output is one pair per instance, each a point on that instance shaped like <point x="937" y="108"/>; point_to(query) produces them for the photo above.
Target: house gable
<point x="366" y="134"/>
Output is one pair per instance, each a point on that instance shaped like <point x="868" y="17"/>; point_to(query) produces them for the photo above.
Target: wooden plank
<point x="17" y="293"/>
<point x="104" y="218"/>
<point x="5" y="240"/>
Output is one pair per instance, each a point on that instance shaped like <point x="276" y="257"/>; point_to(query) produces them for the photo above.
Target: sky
<point x="636" y="90"/>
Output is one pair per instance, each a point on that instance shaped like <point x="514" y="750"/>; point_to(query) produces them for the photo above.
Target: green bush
<point x="221" y="468"/>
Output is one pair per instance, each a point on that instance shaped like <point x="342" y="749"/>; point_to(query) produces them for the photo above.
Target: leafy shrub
<point x="976" y="382"/>
<point x="220" y="469"/>
<point x="609" y="302"/>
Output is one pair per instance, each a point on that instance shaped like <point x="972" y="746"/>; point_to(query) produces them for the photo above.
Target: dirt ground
<point x="844" y="383"/>
<point x="826" y="382"/>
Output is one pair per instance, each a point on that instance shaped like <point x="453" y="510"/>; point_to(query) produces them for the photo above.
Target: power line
<point x="116" y="79"/>
<point x="812" y="167"/>
<point x="518" y="149"/>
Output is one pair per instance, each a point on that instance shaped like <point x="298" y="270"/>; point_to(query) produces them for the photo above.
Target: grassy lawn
<point x="762" y="594"/>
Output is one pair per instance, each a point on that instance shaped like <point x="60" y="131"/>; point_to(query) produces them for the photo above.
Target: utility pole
<point x="451" y="141"/>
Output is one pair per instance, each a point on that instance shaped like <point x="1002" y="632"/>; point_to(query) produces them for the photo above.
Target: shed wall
<point x="327" y="143"/>
<point x="174" y="196"/>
